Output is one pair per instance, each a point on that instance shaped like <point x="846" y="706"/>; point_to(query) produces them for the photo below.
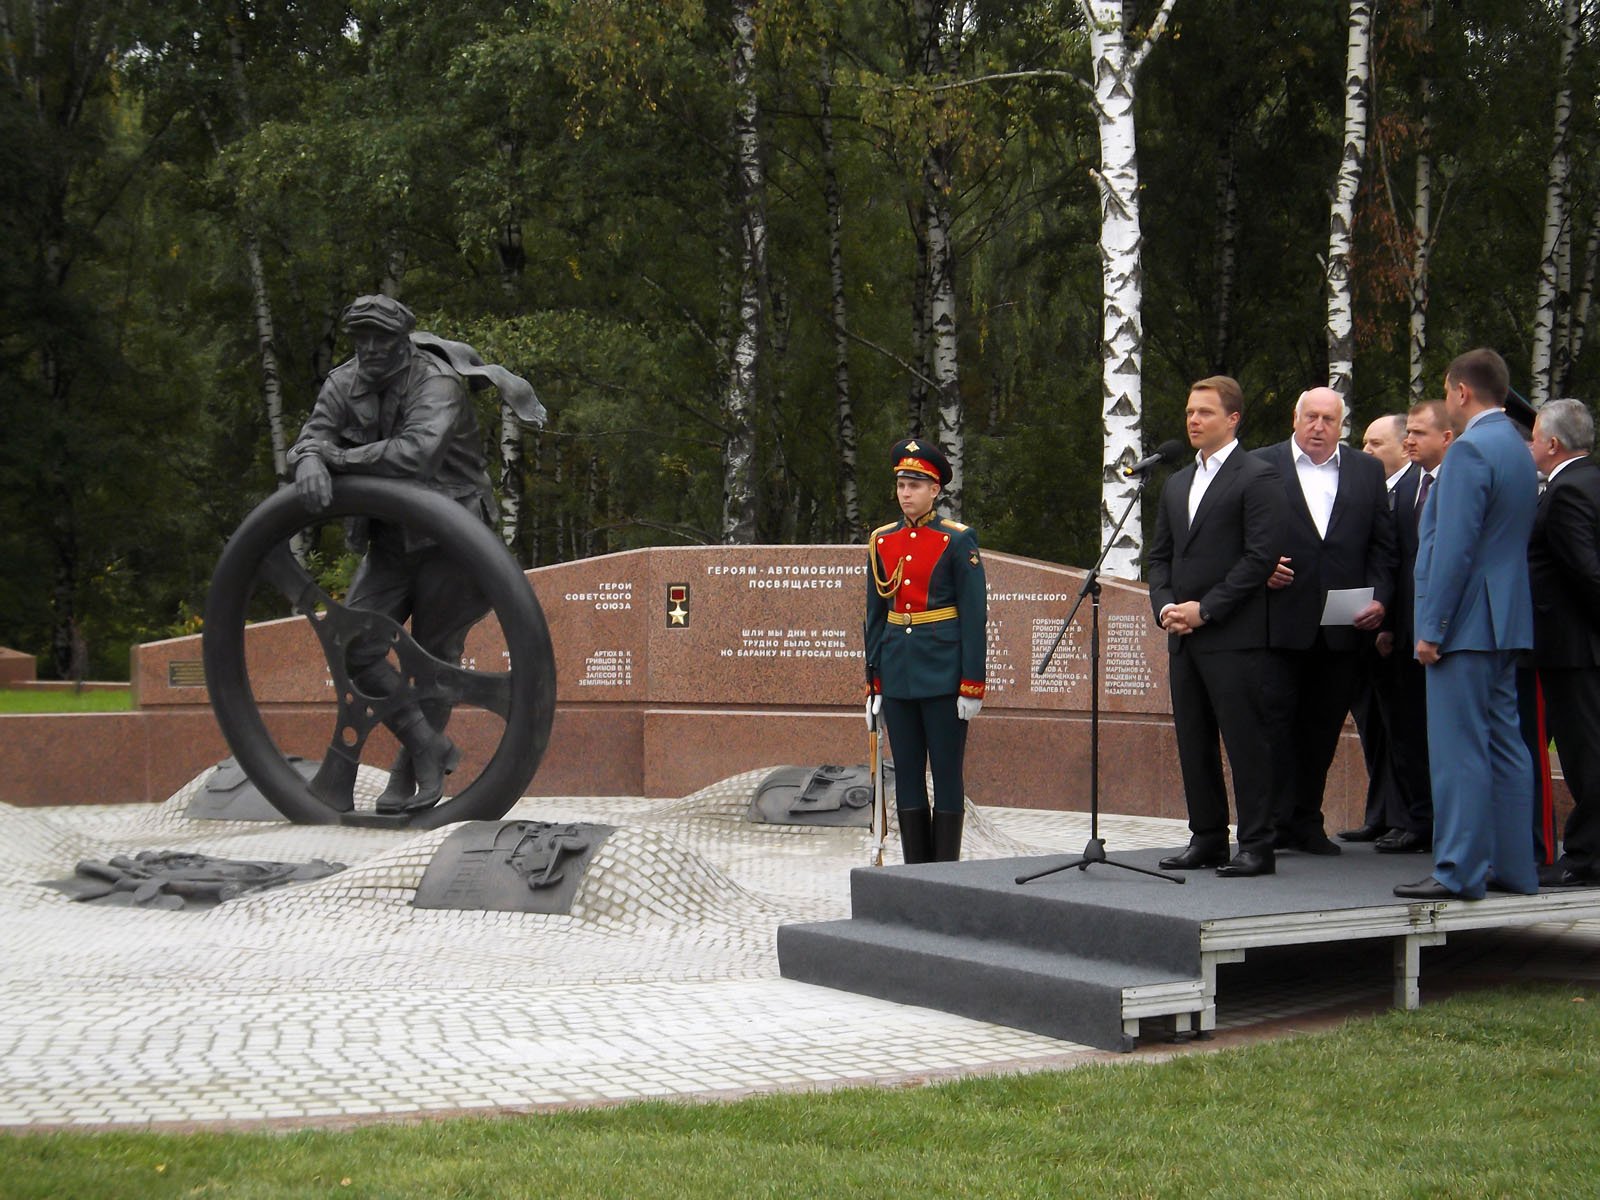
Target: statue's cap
<point x="379" y="312"/>
<point x="919" y="458"/>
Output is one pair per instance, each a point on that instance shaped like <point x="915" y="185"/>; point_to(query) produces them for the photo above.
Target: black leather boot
<point x="947" y="836"/>
<point x="916" y="835"/>
<point x="402" y="786"/>
<point x="433" y="756"/>
<point x="396" y="797"/>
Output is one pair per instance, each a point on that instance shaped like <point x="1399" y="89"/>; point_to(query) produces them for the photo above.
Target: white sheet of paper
<point x="1343" y="605"/>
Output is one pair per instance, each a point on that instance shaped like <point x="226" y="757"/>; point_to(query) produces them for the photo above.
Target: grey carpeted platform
<point x="1082" y="954"/>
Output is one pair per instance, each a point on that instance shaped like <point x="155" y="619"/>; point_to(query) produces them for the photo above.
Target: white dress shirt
<point x="1319" y="483"/>
<point x="1205" y="470"/>
<point x="1558" y="468"/>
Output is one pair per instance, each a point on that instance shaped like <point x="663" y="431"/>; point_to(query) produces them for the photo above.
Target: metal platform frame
<point x="1411" y="925"/>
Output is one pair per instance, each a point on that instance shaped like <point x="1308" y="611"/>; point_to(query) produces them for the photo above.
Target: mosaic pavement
<point x="335" y="1000"/>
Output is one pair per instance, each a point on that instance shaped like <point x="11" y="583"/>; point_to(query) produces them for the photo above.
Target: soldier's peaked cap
<point x="920" y="458"/>
<point x="379" y="312"/>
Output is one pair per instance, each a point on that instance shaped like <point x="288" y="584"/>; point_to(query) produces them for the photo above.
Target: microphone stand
<point x="1095" y="851"/>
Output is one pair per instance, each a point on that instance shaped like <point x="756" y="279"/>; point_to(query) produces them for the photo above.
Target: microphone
<point x="1167" y="452"/>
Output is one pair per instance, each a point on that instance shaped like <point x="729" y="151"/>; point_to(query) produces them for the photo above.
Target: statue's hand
<point x="313" y="484"/>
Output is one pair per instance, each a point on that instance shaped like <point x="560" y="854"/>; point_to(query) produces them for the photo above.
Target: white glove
<point x="874" y="707"/>
<point x="968" y="707"/>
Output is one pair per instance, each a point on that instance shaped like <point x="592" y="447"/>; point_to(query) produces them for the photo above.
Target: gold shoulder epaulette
<point x="882" y="529"/>
<point x="949" y="524"/>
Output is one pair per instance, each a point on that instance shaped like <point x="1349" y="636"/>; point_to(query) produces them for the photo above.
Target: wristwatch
<point x="1205" y="615"/>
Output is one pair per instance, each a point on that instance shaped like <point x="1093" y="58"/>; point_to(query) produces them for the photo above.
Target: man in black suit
<point x="1218" y="533"/>
<point x="1338" y="535"/>
<point x="1564" y="570"/>
<point x="1385" y="441"/>
<point x="1402" y="690"/>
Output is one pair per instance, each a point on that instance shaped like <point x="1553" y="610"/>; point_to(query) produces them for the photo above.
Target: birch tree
<point x="1581" y="304"/>
<point x="1554" y="292"/>
<point x="848" y="526"/>
<point x="943" y="366"/>
<point x="1117" y="54"/>
<point x="1404" y="235"/>
<point x="1422" y="227"/>
<point x="738" y="403"/>
<point x="261" y="298"/>
<point x="1341" y="310"/>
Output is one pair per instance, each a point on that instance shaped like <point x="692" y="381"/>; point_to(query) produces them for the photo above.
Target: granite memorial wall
<point x="680" y="666"/>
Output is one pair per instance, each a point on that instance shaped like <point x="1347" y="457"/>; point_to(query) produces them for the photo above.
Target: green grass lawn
<point x="64" y="700"/>
<point x="1492" y="1094"/>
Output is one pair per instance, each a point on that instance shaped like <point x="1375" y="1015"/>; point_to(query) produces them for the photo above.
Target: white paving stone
<point x="337" y="999"/>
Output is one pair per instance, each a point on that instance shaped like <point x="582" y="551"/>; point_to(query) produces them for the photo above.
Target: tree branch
<point x="892" y="357"/>
<point x="997" y="77"/>
<point x="1157" y="28"/>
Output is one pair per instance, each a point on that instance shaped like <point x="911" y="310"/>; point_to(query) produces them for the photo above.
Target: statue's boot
<point x="402" y="785"/>
<point x="433" y="756"/>
<point x="947" y="836"/>
<point x="916" y="835"/>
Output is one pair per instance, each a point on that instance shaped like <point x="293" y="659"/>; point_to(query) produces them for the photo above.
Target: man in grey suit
<point x="1564" y="571"/>
<point x="1474" y="613"/>
<point x="1218" y="534"/>
<point x="1338" y="535"/>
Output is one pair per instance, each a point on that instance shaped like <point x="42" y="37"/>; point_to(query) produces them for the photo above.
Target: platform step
<point x="1062" y="995"/>
<point x="980" y="901"/>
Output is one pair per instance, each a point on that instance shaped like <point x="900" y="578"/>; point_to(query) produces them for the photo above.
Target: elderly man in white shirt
<point x="1339" y="535"/>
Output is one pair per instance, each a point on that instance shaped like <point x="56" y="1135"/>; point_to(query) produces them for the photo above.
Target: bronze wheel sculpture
<point x="523" y="697"/>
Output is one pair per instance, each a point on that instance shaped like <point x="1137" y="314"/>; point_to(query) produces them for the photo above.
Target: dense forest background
<point x="702" y="228"/>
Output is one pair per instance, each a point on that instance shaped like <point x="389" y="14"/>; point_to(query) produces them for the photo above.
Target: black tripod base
<point x="1095" y="852"/>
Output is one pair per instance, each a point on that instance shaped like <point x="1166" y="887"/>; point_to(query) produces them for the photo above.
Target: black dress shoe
<point x="1312" y="843"/>
<point x="1195" y="857"/>
<point x="1402" y="841"/>
<point x="1426" y="889"/>
<point x="1247" y="863"/>
<point x="1367" y="833"/>
<point x="1579" y="877"/>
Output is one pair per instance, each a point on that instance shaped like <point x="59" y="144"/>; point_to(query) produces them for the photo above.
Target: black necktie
<point x="1422" y="494"/>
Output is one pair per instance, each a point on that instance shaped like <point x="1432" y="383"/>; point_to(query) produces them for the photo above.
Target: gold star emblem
<point x="677" y="616"/>
<point x="913" y="447"/>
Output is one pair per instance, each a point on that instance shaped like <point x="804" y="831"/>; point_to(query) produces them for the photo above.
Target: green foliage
<point x="553" y="182"/>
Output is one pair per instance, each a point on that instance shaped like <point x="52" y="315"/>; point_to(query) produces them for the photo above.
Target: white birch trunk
<point x="510" y="444"/>
<point x="267" y="350"/>
<point x="1422" y="230"/>
<point x="849" y="520"/>
<point x="738" y="464"/>
<point x="938" y="318"/>
<point x="1341" y="311"/>
<point x="1115" y="65"/>
<point x="266" y="334"/>
<point x="942" y="328"/>
<point x="1422" y="220"/>
<point x="394" y="272"/>
<point x="921" y="336"/>
<point x="1549" y="300"/>
<point x="1581" y="301"/>
<point x="510" y="478"/>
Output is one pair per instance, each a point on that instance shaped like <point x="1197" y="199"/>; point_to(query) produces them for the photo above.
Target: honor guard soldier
<point x="927" y="605"/>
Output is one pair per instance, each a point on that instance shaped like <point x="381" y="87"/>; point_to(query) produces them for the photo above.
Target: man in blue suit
<point x="1474" y="612"/>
